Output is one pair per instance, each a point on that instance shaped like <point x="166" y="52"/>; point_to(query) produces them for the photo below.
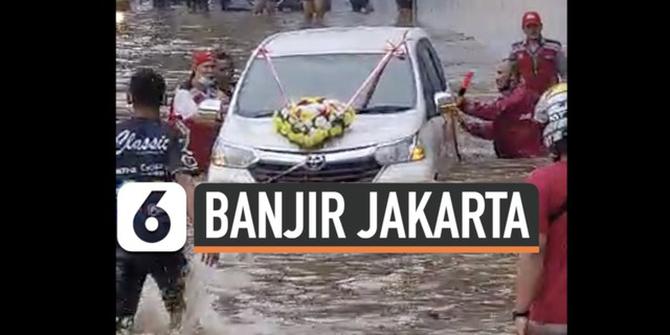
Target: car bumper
<point x="218" y="174"/>
<point x="411" y="172"/>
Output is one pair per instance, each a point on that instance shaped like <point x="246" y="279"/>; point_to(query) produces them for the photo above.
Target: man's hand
<point x="521" y="324"/>
<point x="210" y="259"/>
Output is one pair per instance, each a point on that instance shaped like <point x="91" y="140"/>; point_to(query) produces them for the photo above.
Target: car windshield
<point x="335" y="76"/>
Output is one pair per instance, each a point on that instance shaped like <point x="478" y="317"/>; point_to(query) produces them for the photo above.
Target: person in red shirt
<point x="508" y="119"/>
<point x="539" y="61"/>
<point x="541" y="293"/>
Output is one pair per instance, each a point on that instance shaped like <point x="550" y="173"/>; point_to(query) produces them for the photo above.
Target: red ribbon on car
<point x="391" y="50"/>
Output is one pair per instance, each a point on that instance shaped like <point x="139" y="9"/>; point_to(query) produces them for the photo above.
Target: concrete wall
<point x="494" y="23"/>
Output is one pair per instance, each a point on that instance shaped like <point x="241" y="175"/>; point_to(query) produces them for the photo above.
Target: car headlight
<point x="405" y="150"/>
<point x="226" y="155"/>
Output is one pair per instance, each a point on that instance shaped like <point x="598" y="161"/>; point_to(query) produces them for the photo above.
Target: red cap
<point x="531" y="18"/>
<point x="200" y="57"/>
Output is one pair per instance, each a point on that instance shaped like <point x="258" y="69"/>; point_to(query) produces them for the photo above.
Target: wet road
<point x="344" y="293"/>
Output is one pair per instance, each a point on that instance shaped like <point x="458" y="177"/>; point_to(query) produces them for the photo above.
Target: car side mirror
<point x="443" y="99"/>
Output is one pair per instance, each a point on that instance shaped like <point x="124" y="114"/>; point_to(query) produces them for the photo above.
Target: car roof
<point x="338" y="40"/>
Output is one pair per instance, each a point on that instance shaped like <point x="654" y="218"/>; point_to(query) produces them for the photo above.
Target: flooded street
<point x="346" y="293"/>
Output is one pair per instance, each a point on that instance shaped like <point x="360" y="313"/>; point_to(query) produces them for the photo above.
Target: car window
<point x="335" y="76"/>
<point x="434" y="66"/>
<point x="429" y="78"/>
<point x="435" y="59"/>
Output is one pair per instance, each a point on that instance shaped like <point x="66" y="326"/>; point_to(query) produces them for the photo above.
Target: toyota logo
<point x="315" y="162"/>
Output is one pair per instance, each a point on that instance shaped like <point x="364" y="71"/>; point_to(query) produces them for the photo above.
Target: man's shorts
<point x="167" y="269"/>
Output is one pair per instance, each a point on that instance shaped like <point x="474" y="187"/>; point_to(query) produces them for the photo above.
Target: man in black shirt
<point x="148" y="150"/>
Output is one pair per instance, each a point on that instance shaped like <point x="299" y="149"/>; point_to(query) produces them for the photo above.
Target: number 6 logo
<point x="151" y="217"/>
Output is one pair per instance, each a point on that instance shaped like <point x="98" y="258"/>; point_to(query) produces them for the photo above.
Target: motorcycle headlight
<point x="405" y="150"/>
<point x="226" y="155"/>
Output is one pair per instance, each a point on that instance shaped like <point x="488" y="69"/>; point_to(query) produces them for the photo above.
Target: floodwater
<point x="346" y="293"/>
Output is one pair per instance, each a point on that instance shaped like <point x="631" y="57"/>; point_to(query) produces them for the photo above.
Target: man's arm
<point x="184" y="105"/>
<point x="486" y="111"/>
<point x="562" y="65"/>
<point x="514" y="59"/>
<point x="530" y="266"/>
<point x="483" y="129"/>
<point x="187" y="183"/>
<point x="529" y="276"/>
<point x="182" y="165"/>
<point x="528" y="284"/>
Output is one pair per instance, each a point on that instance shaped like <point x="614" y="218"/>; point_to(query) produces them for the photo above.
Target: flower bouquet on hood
<point x="313" y="120"/>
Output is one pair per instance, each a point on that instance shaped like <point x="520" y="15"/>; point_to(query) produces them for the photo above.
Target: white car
<point x="400" y="136"/>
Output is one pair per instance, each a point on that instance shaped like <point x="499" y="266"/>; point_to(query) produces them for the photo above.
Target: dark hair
<point x="560" y="148"/>
<point x="147" y="88"/>
<point x="221" y="55"/>
<point x="188" y="84"/>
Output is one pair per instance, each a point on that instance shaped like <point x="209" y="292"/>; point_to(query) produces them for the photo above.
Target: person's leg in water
<point x="258" y="7"/>
<point x="405" y="13"/>
<point x="169" y="271"/>
<point x="130" y="276"/>
<point x="356" y="5"/>
<point x="368" y="8"/>
<point x="308" y="10"/>
<point x="319" y="11"/>
<point x="270" y="7"/>
<point x="361" y="6"/>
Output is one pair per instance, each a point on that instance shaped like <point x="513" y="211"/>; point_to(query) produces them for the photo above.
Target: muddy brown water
<point x="345" y="293"/>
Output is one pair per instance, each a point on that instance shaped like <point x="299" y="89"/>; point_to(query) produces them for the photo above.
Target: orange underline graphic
<point x="366" y="249"/>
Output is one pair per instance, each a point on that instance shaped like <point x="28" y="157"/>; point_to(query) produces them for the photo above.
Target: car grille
<point x="345" y="171"/>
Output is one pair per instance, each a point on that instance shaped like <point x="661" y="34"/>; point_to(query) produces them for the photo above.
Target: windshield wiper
<point x="260" y="114"/>
<point x="383" y="109"/>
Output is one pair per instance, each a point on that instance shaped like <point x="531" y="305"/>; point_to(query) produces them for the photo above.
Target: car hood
<point x="366" y="130"/>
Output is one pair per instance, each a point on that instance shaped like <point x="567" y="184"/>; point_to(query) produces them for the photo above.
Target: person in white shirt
<point x="200" y="86"/>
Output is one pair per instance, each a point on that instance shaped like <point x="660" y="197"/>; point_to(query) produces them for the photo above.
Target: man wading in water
<point x="508" y="119"/>
<point x="169" y="160"/>
<point x="541" y="296"/>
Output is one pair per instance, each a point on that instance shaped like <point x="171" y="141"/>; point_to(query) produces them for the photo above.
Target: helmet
<point x="552" y="111"/>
